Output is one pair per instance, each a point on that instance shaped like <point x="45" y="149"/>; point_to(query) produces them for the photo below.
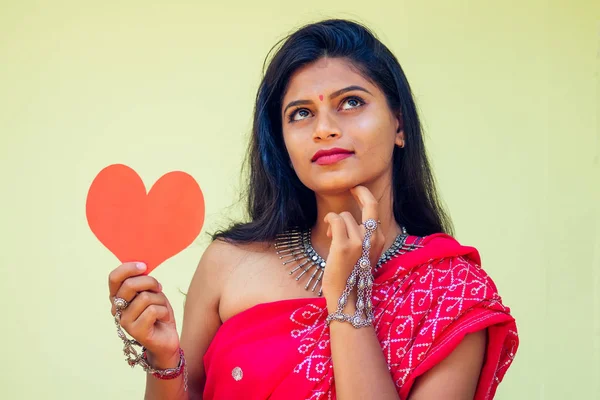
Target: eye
<point x="353" y="102"/>
<point x="302" y="112"/>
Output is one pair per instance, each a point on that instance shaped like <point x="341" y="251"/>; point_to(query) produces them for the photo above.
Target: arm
<point x="456" y="377"/>
<point x="359" y="365"/>
<point x="200" y="323"/>
<point x="361" y="371"/>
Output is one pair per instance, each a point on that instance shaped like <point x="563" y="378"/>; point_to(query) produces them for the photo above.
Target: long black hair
<point x="276" y="199"/>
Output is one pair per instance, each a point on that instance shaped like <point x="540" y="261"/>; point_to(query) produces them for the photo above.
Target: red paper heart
<point x="136" y="226"/>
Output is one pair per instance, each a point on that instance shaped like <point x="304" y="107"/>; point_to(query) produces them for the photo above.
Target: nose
<point x="326" y="128"/>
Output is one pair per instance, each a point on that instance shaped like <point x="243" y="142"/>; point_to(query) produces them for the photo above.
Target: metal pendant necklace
<point x="295" y="246"/>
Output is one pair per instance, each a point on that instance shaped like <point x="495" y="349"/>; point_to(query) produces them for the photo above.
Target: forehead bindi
<point x="322" y="77"/>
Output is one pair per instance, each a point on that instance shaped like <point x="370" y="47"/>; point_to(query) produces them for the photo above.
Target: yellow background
<point x="509" y="98"/>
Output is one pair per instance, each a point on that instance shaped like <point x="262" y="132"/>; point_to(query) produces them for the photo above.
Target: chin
<point x="335" y="186"/>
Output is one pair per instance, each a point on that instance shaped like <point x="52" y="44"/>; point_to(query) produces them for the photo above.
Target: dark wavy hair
<point x="275" y="198"/>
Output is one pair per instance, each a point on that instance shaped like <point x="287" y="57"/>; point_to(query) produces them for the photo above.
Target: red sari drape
<point x="425" y="302"/>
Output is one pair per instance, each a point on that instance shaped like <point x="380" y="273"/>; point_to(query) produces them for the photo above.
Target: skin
<point x="233" y="278"/>
<point x="358" y="120"/>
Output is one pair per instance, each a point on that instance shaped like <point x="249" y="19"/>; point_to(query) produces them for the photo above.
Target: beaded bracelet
<point x="133" y="357"/>
<point x="168" y="373"/>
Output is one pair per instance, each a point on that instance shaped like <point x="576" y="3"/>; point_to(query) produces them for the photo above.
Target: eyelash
<point x="358" y="98"/>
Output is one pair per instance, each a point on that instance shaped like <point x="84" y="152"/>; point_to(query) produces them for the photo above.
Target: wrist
<point x="163" y="361"/>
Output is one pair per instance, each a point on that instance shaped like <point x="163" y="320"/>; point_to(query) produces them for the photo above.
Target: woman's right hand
<point x="148" y="318"/>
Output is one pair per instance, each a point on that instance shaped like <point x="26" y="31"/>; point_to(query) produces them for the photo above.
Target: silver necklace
<point x="295" y="246"/>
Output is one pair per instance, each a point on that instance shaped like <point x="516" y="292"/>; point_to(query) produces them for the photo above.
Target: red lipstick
<point x="331" y="156"/>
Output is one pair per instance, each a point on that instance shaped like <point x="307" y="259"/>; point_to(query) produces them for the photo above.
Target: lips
<point x="331" y="152"/>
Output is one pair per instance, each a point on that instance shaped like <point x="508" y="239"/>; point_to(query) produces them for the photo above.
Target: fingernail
<point x="140" y="266"/>
<point x="159" y="287"/>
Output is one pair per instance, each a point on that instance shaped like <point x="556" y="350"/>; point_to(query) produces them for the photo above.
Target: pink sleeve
<point x="461" y="299"/>
<point x="502" y="343"/>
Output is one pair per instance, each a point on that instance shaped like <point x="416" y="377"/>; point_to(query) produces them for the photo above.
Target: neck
<point x="344" y="201"/>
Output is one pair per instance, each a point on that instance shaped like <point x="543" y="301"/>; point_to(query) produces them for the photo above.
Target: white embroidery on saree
<point x="411" y="312"/>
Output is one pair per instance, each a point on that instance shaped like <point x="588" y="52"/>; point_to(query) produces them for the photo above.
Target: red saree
<point x="425" y="302"/>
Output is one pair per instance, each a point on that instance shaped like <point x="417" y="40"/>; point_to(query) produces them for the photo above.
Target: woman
<point x="299" y="302"/>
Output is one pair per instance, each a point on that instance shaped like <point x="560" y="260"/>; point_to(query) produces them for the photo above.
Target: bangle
<point x="133" y="357"/>
<point x="168" y="373"/>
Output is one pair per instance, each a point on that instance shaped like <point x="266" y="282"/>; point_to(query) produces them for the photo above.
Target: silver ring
<point x="120" y="304"/>
<point x="370" y="224"/>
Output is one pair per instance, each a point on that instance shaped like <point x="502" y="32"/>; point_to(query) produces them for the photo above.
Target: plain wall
<point x="508" y="93"/>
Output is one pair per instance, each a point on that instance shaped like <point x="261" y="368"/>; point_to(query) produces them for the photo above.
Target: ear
<point x="400" y="139"/>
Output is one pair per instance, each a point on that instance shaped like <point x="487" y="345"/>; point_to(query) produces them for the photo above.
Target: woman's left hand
<point x="346" y="245"/>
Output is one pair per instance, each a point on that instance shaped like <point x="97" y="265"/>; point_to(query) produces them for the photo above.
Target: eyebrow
<point x="331" y="96"/>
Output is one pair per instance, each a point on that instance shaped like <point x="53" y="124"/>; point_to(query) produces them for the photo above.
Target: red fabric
<point x="425" y="302"/>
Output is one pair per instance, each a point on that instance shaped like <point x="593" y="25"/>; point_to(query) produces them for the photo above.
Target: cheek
<point x="371" y="123"/>
<point x="296" y="150"/>
<point x="373" y="132"/>
<point x="374" y="141"/>
<point x="290" y="146"/>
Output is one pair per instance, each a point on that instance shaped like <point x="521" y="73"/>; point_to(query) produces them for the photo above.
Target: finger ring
<point x="370" y="224"/>
<point x="120" y="304"/>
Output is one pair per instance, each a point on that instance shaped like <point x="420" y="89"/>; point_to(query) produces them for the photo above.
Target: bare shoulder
<point x="252" y="274"/>
<point x="202" y="319"/>
<point x="229" y="254"/>
<point x="224" y="263"/>
<point x="220" y="261"/>
<point x="239" y="276"/>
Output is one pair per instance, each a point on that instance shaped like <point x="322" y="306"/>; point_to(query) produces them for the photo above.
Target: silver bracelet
<point x="133" y="357"/>
<point x="362" y="278"/>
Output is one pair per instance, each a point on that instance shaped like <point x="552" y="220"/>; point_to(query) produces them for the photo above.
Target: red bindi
<point x="321" y="97"/>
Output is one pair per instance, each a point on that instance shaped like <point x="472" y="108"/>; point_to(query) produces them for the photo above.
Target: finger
<point x="367" y="202"/>
<point x="139" y="304"/>
<point x="137" y="284"/>
<point x="338" y="228"/>
<point x="150" y="315"/>
<point x="353" y="228"/>
<point x="122" y="272"/>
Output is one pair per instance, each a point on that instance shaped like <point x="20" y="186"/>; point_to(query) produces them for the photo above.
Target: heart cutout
<point x="138" y="226"/>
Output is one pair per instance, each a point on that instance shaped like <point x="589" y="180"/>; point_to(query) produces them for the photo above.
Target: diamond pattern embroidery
<point x="412" y="310"/>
